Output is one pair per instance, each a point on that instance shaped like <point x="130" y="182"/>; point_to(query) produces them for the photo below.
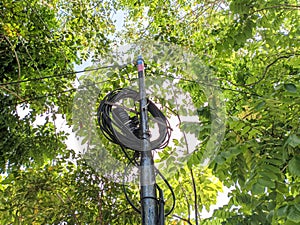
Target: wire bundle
<point x="121" y="129"/>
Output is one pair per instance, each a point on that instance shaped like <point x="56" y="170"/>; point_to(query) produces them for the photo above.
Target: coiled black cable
<point x="118" y="127"/>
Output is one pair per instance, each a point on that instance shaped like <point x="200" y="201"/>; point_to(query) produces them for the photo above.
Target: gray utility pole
<point x="147" y="173"/>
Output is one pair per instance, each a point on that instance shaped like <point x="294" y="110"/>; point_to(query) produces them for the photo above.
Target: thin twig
<point x="265" y="71"/>
<point x="16" y="56"/>
<point x="268" y="67"/>
<point x="100" y="215"/>
<point x="14" y="93"/>
<point x="121" y="212"/>
<point x="185" y="220"/>
<point x="30" y="56"/>
<point x="192" y="175"/>
<point x="63" y="201"/>
<point x="187" y="200"/>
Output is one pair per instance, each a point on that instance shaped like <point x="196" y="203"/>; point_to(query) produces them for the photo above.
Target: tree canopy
<point x="250" y="48"/>
<point x="40" y="42"/>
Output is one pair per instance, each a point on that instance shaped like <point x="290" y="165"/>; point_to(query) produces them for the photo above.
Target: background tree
<point x="252" y="47"/>
<point x="63" y="192"/>
<point x="39" y="44"/>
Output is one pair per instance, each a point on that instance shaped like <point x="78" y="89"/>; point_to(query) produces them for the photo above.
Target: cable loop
<point x="122" y="129"/>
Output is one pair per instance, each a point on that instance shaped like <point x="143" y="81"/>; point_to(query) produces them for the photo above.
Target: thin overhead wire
<point x="114" y="66"/>
<point x="60" y="75"/>
<point x="94" y="83"/>
<point x="57" y="93"/>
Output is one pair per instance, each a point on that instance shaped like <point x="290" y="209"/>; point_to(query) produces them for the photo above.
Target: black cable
<point x="135" y="163"/>
<point x="61" y="75"/>
<point x="119" y="128"/>
<point x="125" y="192"/>
<point x="160" y="200"/>
<point x="170" y="188"/>
<point x="161" y="206"/>
<point x="149" y="197"/>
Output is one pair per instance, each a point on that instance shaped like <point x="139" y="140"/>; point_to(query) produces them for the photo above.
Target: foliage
<point x="62" y="192"/>
<point x="251" y="47"/>
<point x="39" y="44"/>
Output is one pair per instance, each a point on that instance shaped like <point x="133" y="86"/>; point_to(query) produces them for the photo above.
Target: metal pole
<point x="147" y="173"/>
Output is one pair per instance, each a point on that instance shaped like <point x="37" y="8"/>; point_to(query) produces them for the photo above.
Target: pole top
<point x="140" y="64"/>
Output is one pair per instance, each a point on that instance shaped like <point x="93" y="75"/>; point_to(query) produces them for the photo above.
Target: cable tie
<point x="149" y="197"/>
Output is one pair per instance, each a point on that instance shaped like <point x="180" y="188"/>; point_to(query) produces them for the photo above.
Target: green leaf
<point x="290" y="88"/>
<point x="294" y="215"/>
<point x="282" y="211"/>
<point x="258" y="189"/>
<point x="276" y="162"/>
<point x="294" y="166"/>
<point x="236" y="150"/>
<point x="271" y="205"/>
<point x="195" y="159"/>
<point x="219" y="159"/>
<point x="271" y="169"/>
<point x="8" y="179"/>
<point x="293" y="140"/>
<point x="190" y="163"/>
<point x="260" y="105"/>
<point x="289" y="222"/>
<point x="182" y="171"/>
<point x="266" y="183"/>
<point x="176" y="142"/>
<point x="268" y="174"/>
<point x="245" y="130"/>
<point x="297" y="206"/>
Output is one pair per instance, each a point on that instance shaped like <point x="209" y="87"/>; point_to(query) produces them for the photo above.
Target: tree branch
<point x="100" y="216"/>
<point x="185" y="220"/>
<point x="121" y="212"/>
<point x="14" y="93"/>
<point x="71" y="211"/>
<point x="29" y="55"/>
<point x="268" y="67"/>
<point x="191" y="171"/>
<point x="16" y="56"/>
<point x="283" y="6"/>
<point x="265" y="71"/>
<point x="187" y="200"/>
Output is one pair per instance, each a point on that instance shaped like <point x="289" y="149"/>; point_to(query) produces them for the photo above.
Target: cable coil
<point x="120" y="128"/>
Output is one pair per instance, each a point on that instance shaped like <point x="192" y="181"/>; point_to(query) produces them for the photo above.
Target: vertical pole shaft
<point x="147" y="173"/>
